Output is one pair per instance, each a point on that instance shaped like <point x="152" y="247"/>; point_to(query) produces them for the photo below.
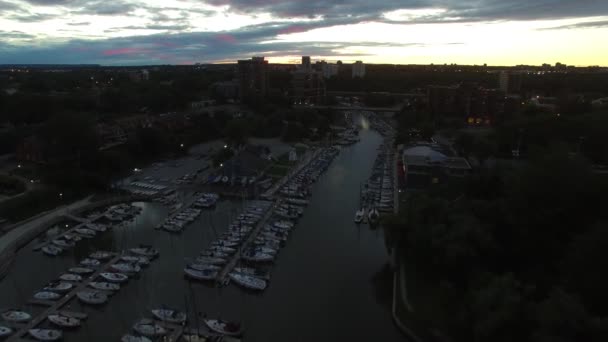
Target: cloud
<point x="581" y="25"/>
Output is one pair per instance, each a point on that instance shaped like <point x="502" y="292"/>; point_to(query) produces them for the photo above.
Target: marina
<point x="326" y="261"/>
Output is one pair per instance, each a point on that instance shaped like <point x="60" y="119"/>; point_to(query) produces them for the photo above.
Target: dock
<point x="72" y="231"/>
<point x="55" y="307"/>
<point x="221" y="277"/>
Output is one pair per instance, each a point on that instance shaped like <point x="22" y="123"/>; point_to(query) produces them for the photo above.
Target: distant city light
<point x="181" y="145"/>
<point x="136" y="170"/>
<point x="225" y="146"/>
<point x="222" y="165"/>
<point x="19" y="166"/>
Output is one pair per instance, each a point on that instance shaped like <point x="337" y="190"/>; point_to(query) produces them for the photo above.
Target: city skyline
<point x="131" y="32"/>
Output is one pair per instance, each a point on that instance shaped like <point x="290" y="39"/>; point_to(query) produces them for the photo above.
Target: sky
<point x="144" y="32"/>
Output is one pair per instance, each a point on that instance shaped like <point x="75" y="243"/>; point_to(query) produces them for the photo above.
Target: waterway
<point x="326" y="283"/>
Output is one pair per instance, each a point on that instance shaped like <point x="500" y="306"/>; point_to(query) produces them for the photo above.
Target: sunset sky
<point x="131" y="32"/>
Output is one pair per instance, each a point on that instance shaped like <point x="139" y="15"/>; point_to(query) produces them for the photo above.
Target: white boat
<point x="225" y="179"/>
<point x="104" y="286"/>
<point x="4" y="331"/>
<point x="257" y="256"/>
<point x="80" y="270"/>
<point x="70" y="277"/>
<point x="224" y="327"/>
<point x="200" y="275"/>
<point x="248" y="281"/>
<point x="373" y="215"/>
<point x="359" y="215"/>
<point x="131" y="338"/>
<point x="64" y="321"/>
<point x="16" y="316"/>
<point x="145" y="251"/>
<point x="58" y="287"/>
<point x="97" y="227"/>
<point x="147" y="327"/>
<point x="100" y="255"/>
<point x="136" y="259"/>
<point x="250" y="271"/>
<point x="222" y="249"/>
<point x="211" y="260"/>
<point x="92" y="297"/>
<point x="204" y="267"/>
<point x="45" y="334"/>
<point x="114" y="277"/>
<point x="85" y="232"/>
<point x="171" y="316"/>
<point x="126" y="268"/>
<point x="63" y="243"/>
<point x="90" y="262"/>
<point x="51" y="250"/>
<point x="47" y="295"/>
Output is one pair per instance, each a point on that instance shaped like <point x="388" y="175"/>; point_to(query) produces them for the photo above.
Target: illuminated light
<point x="471" y="120"/>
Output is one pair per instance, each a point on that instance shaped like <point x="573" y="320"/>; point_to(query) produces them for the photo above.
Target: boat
<point x="45" y="334"/>
<point x="126" y="268"/>
<point x="63" y="243"/>
<point x="114" y="277"/>
<point x="80" y="270"/>
<point x="92" y="297"/>
<point x="204" y="267"/>
<point x="132" y="338"/>
<point x="64" y="321"/>
<point x="70" y="277"/>
<point x="373" y="215"/>
<point x="85" y="232"/>
<point x="248" y="281"/>
<point x="147" y="327"/>
<point x="257" y="256"/>
<point x="145" y="251"/>
<point x="90" y="262"/>
<point x="225" y="179"/>
<point x="254" y="272"/>
<point x="97" y="227"/>
<point x="100" y="255"/>
<point x="359" y="216"/>
<point x="104" y="286"/>
<point x="52" y="250"/>
<point x="4" y="331"/>
<point x="136" y="259"/>
<point x="200" y="275"/>
<point x="211" y="260"/>
<point x="16" y="316"/>
<point x="224" y="327"/>
<point x="58" y="287"/>
<point x="47" y="295"/>
<point x="171" y="316"/>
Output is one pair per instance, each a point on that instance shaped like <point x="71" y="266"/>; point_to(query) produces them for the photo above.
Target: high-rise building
<point x="306" y="62"/>
<point x="509" y="82"/>
<point x="358" y="69"/>
<point x="308" y="86"/>
<point x="253" y="78"/>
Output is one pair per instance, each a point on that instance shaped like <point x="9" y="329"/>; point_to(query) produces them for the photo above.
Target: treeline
<point x="516" y="253"/>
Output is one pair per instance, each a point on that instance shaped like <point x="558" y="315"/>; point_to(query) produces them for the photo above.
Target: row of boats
<point x="108" y="282"/>
<point x="177" y="222"/>
<point x="147" y="329"/>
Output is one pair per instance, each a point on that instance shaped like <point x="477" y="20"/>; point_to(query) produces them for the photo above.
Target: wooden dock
<point x="56" y="306"/>
<point x="221" y="277"/>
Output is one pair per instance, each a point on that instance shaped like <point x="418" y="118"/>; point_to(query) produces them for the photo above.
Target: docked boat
<point x="85" y="232"/>
<point x="92" y="297"/>
<point x="45" y="334"/>
<point x="80" y="270"/>
<point x="204" y="267"/>
<point x="222" y="249"/>
<point x="147" y="327"/>
<point x="47" y="295"/>
<point x="126" y="268"/>
<point x="58" y="287"/>
<point x="248" y="281"/>
<point x="64" y="321"/>
<point x="4" y="331"/>
<point x="359" y="216"/>
<point x="224" y="327"/>
<point x="52" y="250"/>
<point x="16" y="316"/>
<point x="90" y="262"/>
<point x="211" y="260"/>
<point x="132" y="338"/>
<point x="104" y="286"/>
<point x="70" y="277"/>
<point x="254" y="272"/>
<point x="140" y="260"/>
<point x="171" y="316"/>
<point x="63" y="243"/>
<point x="257" y="256"/>
<point x="200" y="275"/>
<point x="373" y="216"/>
<point x="145" y="251"/>
<point x="114" y="277"/>
<point x="100" y="255"/>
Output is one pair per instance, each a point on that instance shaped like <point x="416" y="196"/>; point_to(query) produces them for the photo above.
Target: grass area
<point x="32" y="203"/>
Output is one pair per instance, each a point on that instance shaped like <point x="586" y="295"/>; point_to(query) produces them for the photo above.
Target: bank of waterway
<point x="325" y="284"/>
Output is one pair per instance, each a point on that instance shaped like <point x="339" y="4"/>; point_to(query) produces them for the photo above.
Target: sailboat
<point x="359" y="216"/>
<point x="373" y="216"/>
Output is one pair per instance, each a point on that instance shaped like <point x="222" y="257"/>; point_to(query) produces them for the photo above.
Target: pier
<point x="254" y="233"/>
<point x="55" y="307"/>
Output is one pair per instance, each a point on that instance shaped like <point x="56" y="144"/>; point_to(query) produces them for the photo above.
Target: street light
<point x="225" y="146"/>
<point x="181" y="145"/>
<point x="222" y="165"/>
<point x="19" y="166"/>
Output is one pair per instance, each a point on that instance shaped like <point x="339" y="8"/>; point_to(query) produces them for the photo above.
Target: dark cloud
<point x="7" y="6"/>
<point x="113" y="7"/>
<point x="15" y="35"/>
<point x="585" y="24"/>
<point x="29" y="17"/>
